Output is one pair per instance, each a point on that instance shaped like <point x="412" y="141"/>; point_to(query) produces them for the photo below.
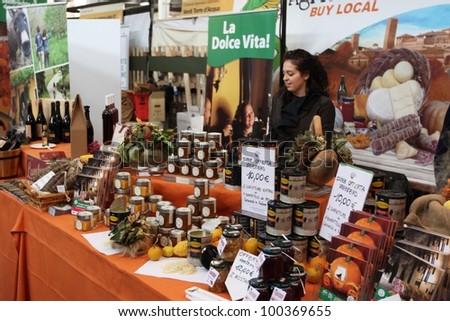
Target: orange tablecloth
<point x="42" y="257"/>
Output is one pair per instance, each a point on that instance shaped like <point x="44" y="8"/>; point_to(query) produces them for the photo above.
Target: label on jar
<point x="200" y="155"/>
<point x="206" y="211"/>
<point x="306" y="218"/>
<point x="195" y="171"/>
<point x="185" y="169"/>
<point x="180" y="152"/>
<point x="279" y="218"/>
<point x="210" y="173"/>
<point x="171" y="168"/>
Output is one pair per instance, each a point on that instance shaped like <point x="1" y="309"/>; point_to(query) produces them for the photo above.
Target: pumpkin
<point x="362" y="237"/>
<point x="345" y="274"/>
<point x="369" y="223"/>
<point x="433" y="115"/>
<point x="351" y="250"/>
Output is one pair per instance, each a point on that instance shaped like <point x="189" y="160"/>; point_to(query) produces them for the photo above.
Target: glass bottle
<point x="262" y="287"/>
<point x="348" y="108"/>
<point x="30" y="123"/>
<point x="108" y="124"/>
<point x="59" y="120"/>
<point x="342" y="90"/>
<point x="52" y="125"/>
<point x="90" y="128"/>
<point x="66" y="123"/>
<point x="223" y="268"/>
<point x="44" y="135"/>
<point x="272" y="267"/>
<point x="40" y="120"/>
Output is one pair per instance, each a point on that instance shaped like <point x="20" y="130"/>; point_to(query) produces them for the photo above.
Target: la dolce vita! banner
<point x="316" y="25"/>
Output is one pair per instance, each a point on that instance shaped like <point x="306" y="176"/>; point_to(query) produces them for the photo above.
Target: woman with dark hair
<point x="303" y="95"/>
<point x="245" y="124"/>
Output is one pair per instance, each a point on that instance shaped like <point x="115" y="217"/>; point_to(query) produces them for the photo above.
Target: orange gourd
<point x="362" y="237"/>
<point x="351" y="250"/>
<point x="345" y="275"/>
<point x="369" y="223"/>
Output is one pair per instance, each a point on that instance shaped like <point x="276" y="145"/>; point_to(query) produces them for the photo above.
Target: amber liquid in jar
<point x="272" y="267"/>
<point x="233" y="240"/>
<point x="222" y="269"/>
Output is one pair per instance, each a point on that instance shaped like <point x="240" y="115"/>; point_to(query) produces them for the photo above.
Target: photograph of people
<point x="303" y="95"/>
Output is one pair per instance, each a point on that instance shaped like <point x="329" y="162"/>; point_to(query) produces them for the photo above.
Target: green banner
<point x="241" y="35"/>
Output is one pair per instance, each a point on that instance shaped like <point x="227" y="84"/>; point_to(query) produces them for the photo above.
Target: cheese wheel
<point x="403" y="71"/>
<point x="376" y="83"/>
<point x="388" y="80"/>
<point x="417" y="92"/>
<point x="379" y="106"/>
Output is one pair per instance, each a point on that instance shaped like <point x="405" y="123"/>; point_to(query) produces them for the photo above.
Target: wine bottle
<point x="90" y="128"/>
<point x="44" y="135"/>
<point x="30" y="124"/>
<point x="40" y="120"/>
<point x="54" y="127"/>
<point x="108" y="123"/>
<point x="59" y="120"/>
<point x="342" y="90"/>
<point x="66" y="123"/>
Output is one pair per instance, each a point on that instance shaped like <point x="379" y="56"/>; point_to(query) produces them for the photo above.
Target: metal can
<point x="292" y="187"/>
<point x="306" y="218"/>
<point x="196" y="241"/>
<point x="233" y="176"/>
<point x="183" y="218"/>
<point x="392" y="204"/>
<point x="377" y="184"/>
<point x="115" y="217"/>
<point x="279" y="218"/>
<point x="317" y="245"/>
<point x="300" y="244"/>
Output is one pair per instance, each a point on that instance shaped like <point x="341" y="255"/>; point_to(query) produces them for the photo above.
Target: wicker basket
<point x="43" y="201"/>
<point x="388" y="60"/>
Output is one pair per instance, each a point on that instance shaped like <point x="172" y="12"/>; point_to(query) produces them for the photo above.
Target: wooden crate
<point x="43" y="201"/>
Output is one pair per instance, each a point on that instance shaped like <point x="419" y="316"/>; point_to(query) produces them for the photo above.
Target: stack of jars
<point x="199" y="155"/>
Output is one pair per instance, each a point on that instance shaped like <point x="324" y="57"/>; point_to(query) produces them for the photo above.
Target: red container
<point x="140" y="102"/>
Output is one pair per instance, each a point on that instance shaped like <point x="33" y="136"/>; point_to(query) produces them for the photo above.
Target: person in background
<point x="245" y="124"/>
<point x="40" y="47"/>
<point x="45" y="38"/>
<point x="303" y="95"/>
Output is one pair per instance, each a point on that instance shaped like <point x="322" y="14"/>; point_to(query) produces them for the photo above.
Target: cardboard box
<point x="157" y="107"/>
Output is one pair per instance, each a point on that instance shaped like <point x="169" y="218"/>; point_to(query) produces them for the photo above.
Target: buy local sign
<point x="241" y="35"/>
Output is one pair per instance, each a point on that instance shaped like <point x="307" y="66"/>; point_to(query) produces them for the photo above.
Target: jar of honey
<point x="154" y="199"/>
<point x="221" y="269"/>
<point x="84" y="221"/>
<point x="233" y="245"/>
<point x="122" y="180"/>
<point x="208" y="207"/>
<point x="137" y="204"/>
<point x="272" y="267"/>
<point x="202" y="151"/>
<point x="201" y="188"/>
<point x="142" y="187"/>
<point x="184" y="149"/>
<point x="96" y="212"/>
<point x="183" y="218"/>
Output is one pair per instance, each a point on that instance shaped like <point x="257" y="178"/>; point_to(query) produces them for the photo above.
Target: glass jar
<point x="284" y="285"/>
<point x="297" y="278"/>
<point x="172" y="164"/>
<point x="208" y="207"/>
<point x="137" y="204"/>
<point x="287" y="248"/>
<point x="272" y="267"/>
<point x="186" y="134"/>
<point x="177" y="236"/>
<point x="212" y="169"/>
<point x="222" y="268"/>
<point x="193" y="205"/>
<point x="201" y="188"/>
<point x="84" y="221"/>
<point x="348" y="108"/>
<point x="196" y="168"/>
<point x="233" y="244"/>
<point x="199" y="137"/>
<point x="184" y="149"/>
<point x="166" y="216"/>
<point x="262" y="287"/>
<point x="142" y="187"/>
<point x="164" y="236"/>
<point x="96" y="212"/>
<point x="215" y="140"/>
<point x="202" y="151"/>
<point x="184" y="167"/>
<point x="122" y="180"/>
<point x="154" y="199"/>
<point x="183" y="218"/>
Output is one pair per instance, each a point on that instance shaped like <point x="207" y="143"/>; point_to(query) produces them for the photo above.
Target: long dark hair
<point x="307" y="63"/>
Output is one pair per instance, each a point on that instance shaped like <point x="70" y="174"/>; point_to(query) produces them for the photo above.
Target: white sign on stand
<point x="244" y="268"/>
<point x="258" y="178"/>
<point x="349" y="193"/>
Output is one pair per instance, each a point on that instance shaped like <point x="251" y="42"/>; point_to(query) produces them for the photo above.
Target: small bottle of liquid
<point x="44" y="135"/>
<point x="348" y="108"/>
<point x="342" y="91"/>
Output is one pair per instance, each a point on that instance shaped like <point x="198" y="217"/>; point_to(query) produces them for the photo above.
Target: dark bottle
<point x="54" y="126"/>
<point x="30" y="124"/>
<point x="342" y="90"/>
<point x="44" y="135"/>
<point x="60" y="120"/>
<point x="90" y="128"/>
<point x="40" y="120"/>
<point x="108" y="124"/>
<point x="66" y="123"/>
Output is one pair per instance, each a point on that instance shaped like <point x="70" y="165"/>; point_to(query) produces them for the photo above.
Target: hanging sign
<point x="349" y="193"/>
<point x="205" y="7"/>
<point x="243" y="35"/>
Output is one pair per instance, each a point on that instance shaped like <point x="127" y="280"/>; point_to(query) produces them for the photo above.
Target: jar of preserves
<point x="184" y="149"/>
<point x="212" y="169"/>
<point x="221" y="157"/>
<point x="183" y="218"/>
<point x="262" y="287"/>
<point x="172" y="164"/>
<point x="208" y="207"/>
<point x="154" y="199"/>
<point x="96" y="212"/>
<point x="122" y="180"/>
<point x="142" y="187"/>
<point x="84" y="221"/>
<point x="137" y="204"/>
<point x="219" y="270"/>
<point x="164" y="236"/>
<point x="166" y="216"/>
<point x="184" y="167"/>
<point x="196" y="168"/>
<point x="287" y="248"/>
<point x="272" y="267"/>
<point x="297" y="278"/>
<point x="199" y="137"/>
<point x="215" y="140"/>
<point x="282" y="290"/>
<point x="177" y="236"/>
<point x="202" y="151"/>
<point x="197" y="222"/>
<point x="233" y="245"/>
<point x="201" y="188"/>
<point x="193" y="205"/>
<point x="348" y="108"/>
<point x="186" y="134"/>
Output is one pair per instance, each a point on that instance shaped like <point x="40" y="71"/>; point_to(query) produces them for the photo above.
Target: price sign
<point x="349" y="193"/>
<point x="243" y="269"/>
<point x="258" y="178"/>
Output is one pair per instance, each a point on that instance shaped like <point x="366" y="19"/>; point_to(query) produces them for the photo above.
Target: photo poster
<point x="372" y="27"/>
<point x="38" y="57"/>
<point x="240" y="55"/>
<point x="348" y="193"/>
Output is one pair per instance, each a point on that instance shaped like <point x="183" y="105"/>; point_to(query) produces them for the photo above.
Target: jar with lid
<point x="212" y="169"/>
<point x="297" y="278"/>
<point x="199" y="137"/>
<point x="124" y="193"/>
<point x="196" y="168"/>
<point x="172" y="164"/>
<point x="272" y="267"/>
<point x="202" y="151"/>
<point x="262" y="287"/>
<point x="137" y="204"/>
<point x="96" y="212"/>
<point x="184" y="149"/>
<point x="284" y="285"/>
<point x="122" y="180"/>
<point x="193" y="205"/>
<point x="224" y="221"/>
<point x="142" y="187"/>
<point x="186" y="135"/>
<point x="233" y="245"/>
<point x="221" y="268"/>
<point x="84" y="221"/>
<point x="166" y="216"/>
<point x="154" y="199"/>
<point x="287" y="247"/>
<point x="221" y="157"/>
<point x="177" y="236"/>
<point x="208" y="207"/>
<point x="201" y="188"/>
<point x="197" y="222"/>
<point x="184" y="167"/>
<point x="348" y="108"/>
<point x="164" y="236"/>
<point x="214" y="139"/>
<point x="236" y="227"/>
<point x="183" y="218"/>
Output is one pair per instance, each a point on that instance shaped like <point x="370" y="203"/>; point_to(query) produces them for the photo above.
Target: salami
<point x="396" y="125"/>
<point x="385" y="143"/>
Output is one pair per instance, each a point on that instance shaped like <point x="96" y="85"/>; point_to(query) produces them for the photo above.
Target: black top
<point x="295" y="117"/>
